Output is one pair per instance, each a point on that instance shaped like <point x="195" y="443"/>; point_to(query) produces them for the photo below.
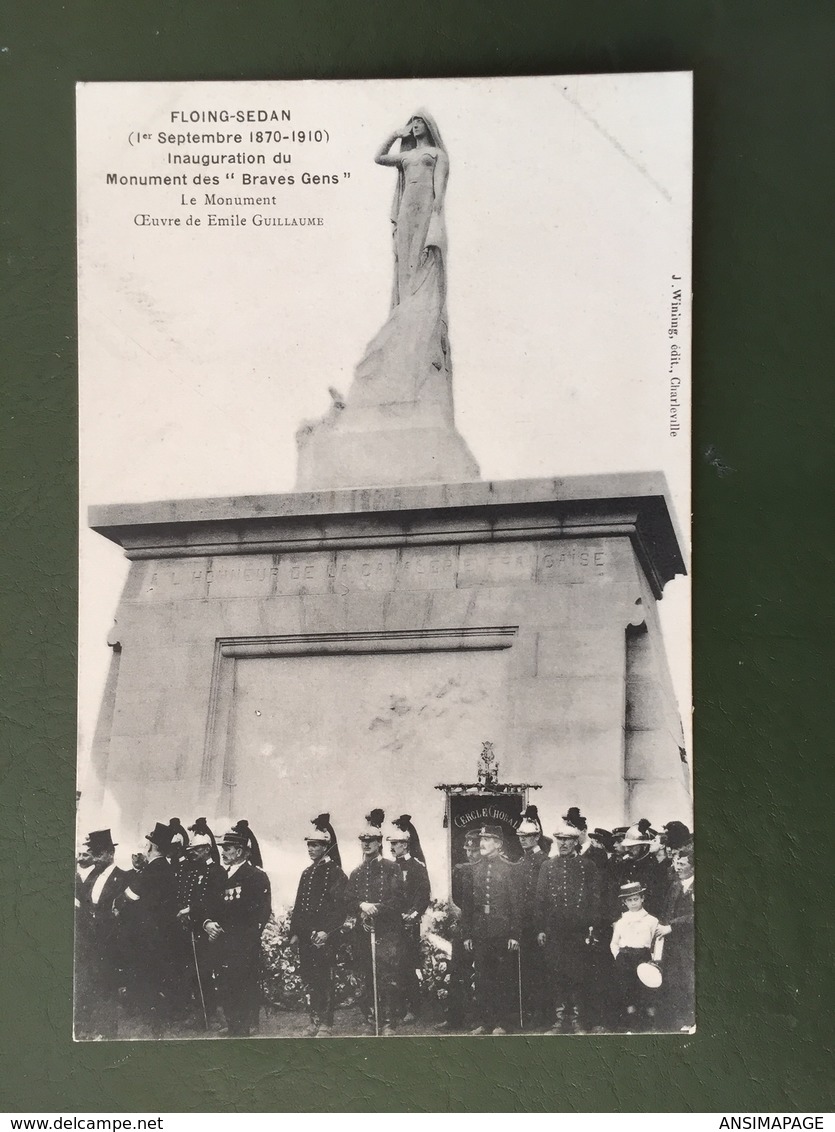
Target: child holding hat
<point x="633" y="940"/>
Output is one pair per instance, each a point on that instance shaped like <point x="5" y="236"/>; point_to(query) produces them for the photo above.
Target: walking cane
<point x="374" y="981"/>
<point x="199" y="980"/>
<point x="519" y="970"/>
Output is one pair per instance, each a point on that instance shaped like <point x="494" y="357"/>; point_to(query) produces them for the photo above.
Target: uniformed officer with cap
<point x="534" y="854"/>
<point x="408" y="856"/>
<point x="490" y="923"/>
<point x="234" y="925"/>
<point x="98" y="950"/>
<point x="318" y="914"/>
<point x="569" y="908"/>
<point x="375" y="898"/>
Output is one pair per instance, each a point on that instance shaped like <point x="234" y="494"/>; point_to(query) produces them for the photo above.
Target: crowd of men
<point x="596" y="938"/>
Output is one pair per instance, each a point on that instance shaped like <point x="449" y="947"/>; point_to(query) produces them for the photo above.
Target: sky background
<point x="203" y="349"/>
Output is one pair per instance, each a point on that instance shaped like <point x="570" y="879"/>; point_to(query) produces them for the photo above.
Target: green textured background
<point x="763" y="542"/>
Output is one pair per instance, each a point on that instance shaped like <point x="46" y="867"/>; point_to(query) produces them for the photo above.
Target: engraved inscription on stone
<point x="493" y="565"/>
<point x="427" y="568"/>
<point x="572" y="562"/>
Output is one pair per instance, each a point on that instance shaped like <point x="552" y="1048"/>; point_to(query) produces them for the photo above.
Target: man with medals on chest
<point x="200" y="882"/>
<point x="535" y="849"/>
<point x="408" y="856"/>
<point x="317" y="918"/>
<point x="375" y="897"/>
<point x="490" y="924"/>
<point x="98" y="951"/>
<point x="235" y="925"/>
<point x="568" y="908"/>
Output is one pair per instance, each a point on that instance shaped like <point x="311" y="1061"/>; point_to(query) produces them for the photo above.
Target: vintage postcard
<point x="384" y="693"/>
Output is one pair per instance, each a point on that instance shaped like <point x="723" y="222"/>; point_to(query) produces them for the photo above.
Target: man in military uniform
<point x="150" y="906"/>
<point x="459" y="998"/>
<point x="98" y="942"/>
<point x="234" y="925"/>
<point x="490" y="923"/>
<point x="568" y="911"/>
<point x="317" y="918"/>
<point x="408" y="856"/>
<point x="200" y="881"/>
<point x="375" y="897"/>
<point x="534" y="854"/>
<point x="637" y="863"/>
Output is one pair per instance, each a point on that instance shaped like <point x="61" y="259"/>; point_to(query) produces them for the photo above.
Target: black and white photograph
<point x="384" y="705"/>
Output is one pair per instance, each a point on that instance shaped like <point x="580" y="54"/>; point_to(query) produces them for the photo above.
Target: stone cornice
<point x="634" y="505"/>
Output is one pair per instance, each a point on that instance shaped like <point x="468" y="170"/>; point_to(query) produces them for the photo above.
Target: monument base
<point x="279" y="656"/>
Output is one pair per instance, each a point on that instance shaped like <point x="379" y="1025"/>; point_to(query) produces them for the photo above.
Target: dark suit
<point x="679" y="957"/>
<point x="320" y="907"/>
<point x="241" y="908"/>
<point x="416" y="894"/>
<point x="568" y="905"/>
<point x="531" y="959"/>
<point x="98" y="974"/>
<point x="490" y="917"/>
<point x="378" y="882"/>
<point x="150" y="903"/>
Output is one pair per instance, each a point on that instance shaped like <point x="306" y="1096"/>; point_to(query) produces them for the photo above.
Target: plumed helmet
<point x="202" y="836"/>
<point x="406" y="827"/>
<point x="575" y="818"/>
<point x="640" y="834"/>
<point x="373" y="828"/>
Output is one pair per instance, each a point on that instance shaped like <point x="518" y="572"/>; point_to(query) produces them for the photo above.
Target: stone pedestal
<point x="277" y="656"/>
<point x="353" y="447"/>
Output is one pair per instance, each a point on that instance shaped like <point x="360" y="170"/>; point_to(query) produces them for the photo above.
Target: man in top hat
<point x="234" y="925"/>
<point x="568" y="911"/>
<point x="98" y="941"/>
<point x="408" y="856"/>
<point x="535" y="848"/>
<point x="375" y="898"/>
<point x="318" y="914"/>
<point x="150" y="903"/>
<point x="491" y="926"/>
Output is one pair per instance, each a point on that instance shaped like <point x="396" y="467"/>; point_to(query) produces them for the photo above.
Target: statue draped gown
<point x="409" y="361"/>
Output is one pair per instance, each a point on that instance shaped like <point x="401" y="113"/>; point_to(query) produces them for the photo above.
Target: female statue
<point x="397" y="424"/>
<point x="409" y="360"/>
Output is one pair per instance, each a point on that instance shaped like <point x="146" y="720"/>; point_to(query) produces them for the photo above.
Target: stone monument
<point x="350" y="644"/>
